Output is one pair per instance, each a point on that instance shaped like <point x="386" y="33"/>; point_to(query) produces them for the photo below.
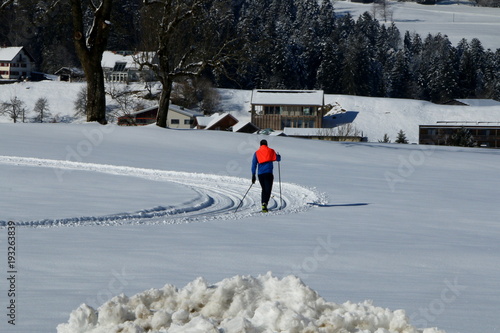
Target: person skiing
<point x="264" y="158"/>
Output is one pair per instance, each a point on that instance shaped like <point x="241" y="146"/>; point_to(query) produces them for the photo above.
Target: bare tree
<point x="344" y="132"/>
<point x="127" y="104"/>
<point x="89" y="47"/>
<point x="188" y="43"/>
<point x="14" y="108"/>
<point x="196" y="92"/>
<point x="80" y="103"/>
<point x="41" y="110"/>
<point x="383" y="7"/>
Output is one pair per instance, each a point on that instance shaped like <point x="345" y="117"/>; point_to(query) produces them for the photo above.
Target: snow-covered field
<point x="455" y="19"/>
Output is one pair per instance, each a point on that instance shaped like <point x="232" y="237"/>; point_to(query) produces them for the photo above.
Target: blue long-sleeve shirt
<point x="266" y="167"/>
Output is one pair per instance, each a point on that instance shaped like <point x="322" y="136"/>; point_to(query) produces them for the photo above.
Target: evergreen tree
<point x="401" y="137"/>
<point x="355" y="76"/>
<point x="397" y="76"/>
<point x="385" y="139"/>
<point x="439" y="76"/>
<point x="478" y="58"/>
<point x="329" y="72"/>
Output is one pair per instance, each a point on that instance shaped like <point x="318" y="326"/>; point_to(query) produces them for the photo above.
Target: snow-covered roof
<point x="109" y="59"/>
<point x="287" y="97"/>
<point x="203" y="121"/>
<point x="210" y="121"/>
<point x="8" y="53"/>
<point x="218" y="118"/>
<point x="237" y="127"/>
<point x="171" y="107"/>
<point x="479" y="102"/>
<point x="186" y="112"/>
<point x="464" y="123"/>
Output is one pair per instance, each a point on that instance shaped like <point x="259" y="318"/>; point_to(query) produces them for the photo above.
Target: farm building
<point x="15" y="63"/>
<point x="484" y="134"/>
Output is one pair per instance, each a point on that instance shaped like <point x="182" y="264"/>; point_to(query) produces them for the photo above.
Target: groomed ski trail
<point x="214" y="196"/>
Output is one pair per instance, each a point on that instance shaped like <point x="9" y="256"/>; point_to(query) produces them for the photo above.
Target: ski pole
<point x="243" y="198"/>
<point x="279" y="178"/>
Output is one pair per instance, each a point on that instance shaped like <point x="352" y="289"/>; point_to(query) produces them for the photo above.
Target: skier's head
<point x="263" y="142"/>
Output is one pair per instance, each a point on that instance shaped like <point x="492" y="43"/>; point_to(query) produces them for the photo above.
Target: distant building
<point x="485" y="134"/>
<point x="122" y="66"/>
<point x="70" y="74"/>
<point x="15" y="63"/>
<point x="472" y="102"/>
<point x="245" y="127"/>
<point x="177" y="117"/>
<point x="277" y="109"/>
<point x="216" y="122"/>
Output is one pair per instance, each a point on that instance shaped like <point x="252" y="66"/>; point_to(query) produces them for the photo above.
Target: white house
<point x="179" y="117"/>
<point x="122" y="66"/>
<point x="15" y="63"/>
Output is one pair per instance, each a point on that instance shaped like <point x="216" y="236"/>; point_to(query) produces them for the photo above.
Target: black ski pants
<point x="266" y="182"/>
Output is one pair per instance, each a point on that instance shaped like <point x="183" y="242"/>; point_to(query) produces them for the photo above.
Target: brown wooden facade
<point x="288" y="109"/>
<point x="145" y="117"/>
<point x="484" y="136"/>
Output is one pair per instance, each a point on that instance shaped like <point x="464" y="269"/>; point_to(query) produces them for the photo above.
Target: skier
<point x="264" y="158"/>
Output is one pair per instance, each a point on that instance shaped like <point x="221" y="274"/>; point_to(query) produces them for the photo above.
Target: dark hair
<point x="263" y="142"/>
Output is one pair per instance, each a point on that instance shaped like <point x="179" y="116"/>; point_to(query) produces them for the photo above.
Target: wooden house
<point x="15" y="63"/>
<point x="277" y="109"/>
<point x="177" y="117"/>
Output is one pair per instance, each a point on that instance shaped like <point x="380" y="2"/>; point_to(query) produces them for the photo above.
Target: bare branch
<point x="5" y="3"/>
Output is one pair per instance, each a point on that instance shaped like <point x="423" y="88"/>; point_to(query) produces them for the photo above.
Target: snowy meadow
<point x="381" y="236"/>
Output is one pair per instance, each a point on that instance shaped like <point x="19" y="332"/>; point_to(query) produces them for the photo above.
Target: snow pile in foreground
<point x="239" y="304"/>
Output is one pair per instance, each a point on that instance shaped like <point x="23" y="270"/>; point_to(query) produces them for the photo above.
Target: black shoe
<point x="264" y="208"/>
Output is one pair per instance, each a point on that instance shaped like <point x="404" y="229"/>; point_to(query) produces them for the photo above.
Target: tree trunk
<point x="96" y="96"/>
<point x="161" y="118"/>
<point x="89" y="50"/>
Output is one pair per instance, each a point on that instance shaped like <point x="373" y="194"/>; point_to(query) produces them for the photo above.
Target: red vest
<point x="265" y="154"/>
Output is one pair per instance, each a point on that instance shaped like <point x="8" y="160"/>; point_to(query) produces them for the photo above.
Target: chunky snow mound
<point x="236" y="305"/>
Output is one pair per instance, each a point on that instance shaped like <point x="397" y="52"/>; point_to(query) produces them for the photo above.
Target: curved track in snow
<point x="215" y="196"/>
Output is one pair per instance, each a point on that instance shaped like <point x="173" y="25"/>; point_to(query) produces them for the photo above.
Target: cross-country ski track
<point x="214" y="196"/>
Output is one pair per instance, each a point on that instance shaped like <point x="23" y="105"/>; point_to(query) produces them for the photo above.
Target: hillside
<point x="455" y="19"/>
<point x="374" y="117"/>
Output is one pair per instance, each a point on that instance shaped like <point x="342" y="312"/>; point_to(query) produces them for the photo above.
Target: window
<point x="119" y="67"/>
<point x="188" y="121"/>
<point x="174" y="121"/>
<point x="271" y="109"/>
